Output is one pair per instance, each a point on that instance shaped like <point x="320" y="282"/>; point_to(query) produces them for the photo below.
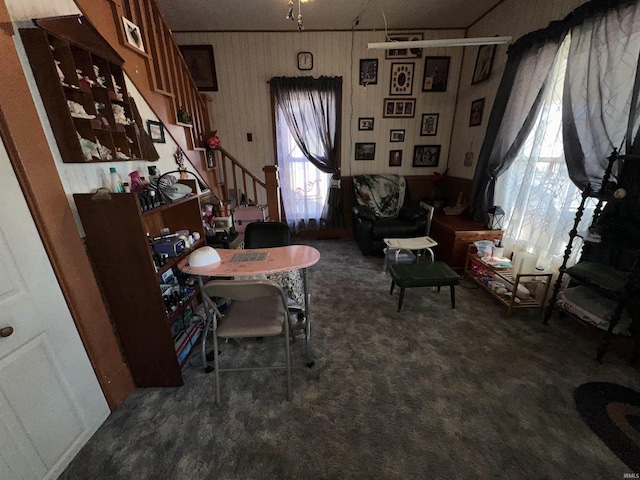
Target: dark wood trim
<point x="36" y="171"/>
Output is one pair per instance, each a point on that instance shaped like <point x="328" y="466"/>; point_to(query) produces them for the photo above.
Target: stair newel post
<point x="272" y="186"/>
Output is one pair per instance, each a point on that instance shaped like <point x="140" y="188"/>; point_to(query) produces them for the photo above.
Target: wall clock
<point x="401" y="79"/>
<point x="305" y="61"/>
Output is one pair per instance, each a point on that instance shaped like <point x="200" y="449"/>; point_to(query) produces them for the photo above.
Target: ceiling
<point x="269" y="15"/>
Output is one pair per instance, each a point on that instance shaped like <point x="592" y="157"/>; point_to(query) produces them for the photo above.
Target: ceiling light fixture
<point x="446" y="42"/>
<point x="290" y="14"/>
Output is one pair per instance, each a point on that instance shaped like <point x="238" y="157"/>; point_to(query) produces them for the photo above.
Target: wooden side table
<point x="454" y="233"/>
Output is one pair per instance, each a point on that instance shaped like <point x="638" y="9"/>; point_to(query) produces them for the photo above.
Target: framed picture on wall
<point x="133" y="34"/>
<point x="429" y="125"/>
<point x="404" y="52"/>
<point x="436" y="74"/>
<point x="426" y="156"/>
<point x="477" y="108"/>
<point x="484" y="60"/>
<point x="396" y="135"/>
<point x="368" y="71"/>
<point x="201" y="65"/>
<point x="156" y="131"/>
<point x="401" y="82"/>
<point x="395" y="158"/>
<point x="365" y="123"/>
<point x="399" y="108"/>
<point x="365" y="151"/>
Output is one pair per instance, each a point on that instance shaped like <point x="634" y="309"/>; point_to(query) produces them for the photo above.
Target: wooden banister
<point x="235" y="173"/>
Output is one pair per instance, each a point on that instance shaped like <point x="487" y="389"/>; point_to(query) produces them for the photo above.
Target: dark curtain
<point x="319" y="125"/>
<point x="518" y="98"/>
<point x="516" y="107"/>
<point x="600" y="96"/>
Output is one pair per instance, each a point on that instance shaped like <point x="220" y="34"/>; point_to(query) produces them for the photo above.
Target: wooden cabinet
<point x="116" y="238"/>
<point x="84" y="92"/>
<point x="454" y="234"/>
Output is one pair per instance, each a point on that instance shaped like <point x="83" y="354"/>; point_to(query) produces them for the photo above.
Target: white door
<point x="50" y="400"/>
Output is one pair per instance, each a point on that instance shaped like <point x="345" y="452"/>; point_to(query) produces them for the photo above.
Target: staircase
<point x="162" y="77"/>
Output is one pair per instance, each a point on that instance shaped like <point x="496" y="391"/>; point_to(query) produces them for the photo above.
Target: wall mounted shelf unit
<point x="82" y="85"/>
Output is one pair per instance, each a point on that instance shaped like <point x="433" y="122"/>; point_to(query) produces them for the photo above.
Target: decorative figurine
<point x="120" y="155"/>
<point x="60" y="73"/>
<point x="77" y="110"/>
<point x="117" y="89"/>
<point x="89" y="149"/>
<point x="102" y="81"/>
<point x="84" y="78"/>
<point x="183" y="116"/>
<point x="179" y="155"/>
<point x="104" y="152"/>
<point x="119" y="115"/>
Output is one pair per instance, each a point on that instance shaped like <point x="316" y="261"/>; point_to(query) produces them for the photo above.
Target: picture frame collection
<point x="401" y="105"/>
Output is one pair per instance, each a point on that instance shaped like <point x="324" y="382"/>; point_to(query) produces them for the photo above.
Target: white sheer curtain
<point x="304" y="187"/>
<point x="536" y="192"/>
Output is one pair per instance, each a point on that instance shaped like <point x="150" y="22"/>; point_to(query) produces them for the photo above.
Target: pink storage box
<point x="245" y="214"/>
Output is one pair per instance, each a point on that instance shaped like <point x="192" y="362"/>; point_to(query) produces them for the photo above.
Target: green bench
<point x="411" y="275"/>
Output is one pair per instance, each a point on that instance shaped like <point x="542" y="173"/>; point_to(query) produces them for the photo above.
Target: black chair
<point x="267" y="235"/>
<point x="370" y="230"/>
<point x="276" y="234"/>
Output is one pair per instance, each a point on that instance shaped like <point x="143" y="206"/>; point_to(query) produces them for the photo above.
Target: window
<point x="536" y="192"/>
<point x="306" y="119"/>
<point x="304" y="187"/>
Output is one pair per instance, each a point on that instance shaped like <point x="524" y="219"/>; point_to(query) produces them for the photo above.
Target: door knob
<point x="6" y="331"/>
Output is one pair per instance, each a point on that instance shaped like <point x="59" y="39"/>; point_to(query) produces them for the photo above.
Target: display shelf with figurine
<point x="83" y="91"/>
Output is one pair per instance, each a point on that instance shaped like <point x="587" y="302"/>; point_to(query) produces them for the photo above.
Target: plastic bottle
<point x="116" y="181"/>
<point x="152" y="199"/>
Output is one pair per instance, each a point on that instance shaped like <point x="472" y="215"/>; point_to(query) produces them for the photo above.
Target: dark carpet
<point x="427" y="393"/>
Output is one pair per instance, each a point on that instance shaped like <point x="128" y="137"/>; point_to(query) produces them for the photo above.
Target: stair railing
<point x="235" y="179"/>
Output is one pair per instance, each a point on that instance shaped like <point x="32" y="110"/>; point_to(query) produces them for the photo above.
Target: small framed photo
<point x="368" y="71"/>
<point x="436" y="74"/>
<point x="132" y="34"/>
<point x="477" y="107"/>
<point x="156" y="131"/>
<point x="484" y="60"/>
<point x="401" y="82"/>
<point x="399" y="108"/>
<point x="429" y="125"/>
<point x="404" y="52"/>
<point x="365" y="151"/>
<point x="201" y="65"/>
<point x="365" y="123"/>
<point x="426" y="156"/>
<point x="395" y="158"/>
<point x="396" y="135"/>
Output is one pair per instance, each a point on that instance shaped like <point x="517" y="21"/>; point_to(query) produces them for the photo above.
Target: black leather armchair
<point x="370" y="230"/>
